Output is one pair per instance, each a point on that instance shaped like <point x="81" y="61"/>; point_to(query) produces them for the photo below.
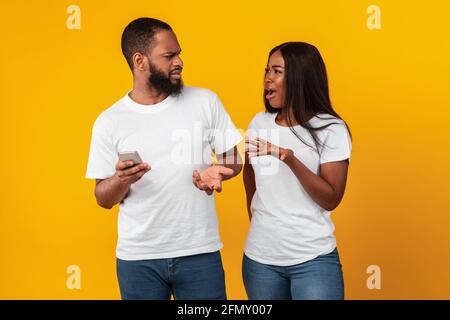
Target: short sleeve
<point x="102" y="154"/>
<point x="337" y="145"/>
<point x="224" y="135"/>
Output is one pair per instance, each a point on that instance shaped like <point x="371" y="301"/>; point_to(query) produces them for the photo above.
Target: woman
<point x="297" y="157"/>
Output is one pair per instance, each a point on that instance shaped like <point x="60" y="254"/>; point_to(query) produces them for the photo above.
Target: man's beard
<point x="159" y="81"/>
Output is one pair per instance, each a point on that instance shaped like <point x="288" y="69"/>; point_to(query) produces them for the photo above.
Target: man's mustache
<point x="176" y="70"/>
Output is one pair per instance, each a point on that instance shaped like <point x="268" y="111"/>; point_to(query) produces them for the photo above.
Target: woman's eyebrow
<point x="277" y="66"/>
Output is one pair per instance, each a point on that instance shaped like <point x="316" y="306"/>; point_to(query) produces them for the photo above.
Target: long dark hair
<point x="306" y="88"/>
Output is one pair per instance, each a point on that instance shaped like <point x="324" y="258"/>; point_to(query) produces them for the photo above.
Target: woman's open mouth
<point x="270" y="94"/>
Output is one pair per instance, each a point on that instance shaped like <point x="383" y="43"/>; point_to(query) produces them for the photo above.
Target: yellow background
<point x="390" y="85"/>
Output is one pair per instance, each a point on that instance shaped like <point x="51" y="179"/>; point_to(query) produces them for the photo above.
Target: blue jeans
<point x="318" y="279"/>
<point x="186" y="278"/>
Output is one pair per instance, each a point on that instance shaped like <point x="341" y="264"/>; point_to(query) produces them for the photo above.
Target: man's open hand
<point x="210" y="180"/>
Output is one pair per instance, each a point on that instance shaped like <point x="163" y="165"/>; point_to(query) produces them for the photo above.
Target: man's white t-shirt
<point x="164" y="214"/>
<point x="287" y="226"/>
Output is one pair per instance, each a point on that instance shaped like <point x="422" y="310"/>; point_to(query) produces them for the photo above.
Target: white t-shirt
<point x="164" y="215"/>
<point x="287" y="226"/>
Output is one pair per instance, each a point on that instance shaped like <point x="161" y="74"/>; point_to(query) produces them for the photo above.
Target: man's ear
<point x="140" y="61"/>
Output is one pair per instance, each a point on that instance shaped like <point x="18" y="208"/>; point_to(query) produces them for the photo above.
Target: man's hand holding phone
<point x="115" y="189"/>
<point x="130" y="168"/>
<point x="128" y="173"/>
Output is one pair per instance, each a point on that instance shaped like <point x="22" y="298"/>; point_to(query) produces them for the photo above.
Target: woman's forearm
<point x="317" y="187"/>
<point x="250" y="186"/>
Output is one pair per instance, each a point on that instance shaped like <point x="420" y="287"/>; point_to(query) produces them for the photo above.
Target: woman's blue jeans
<point x="318" y="279"/>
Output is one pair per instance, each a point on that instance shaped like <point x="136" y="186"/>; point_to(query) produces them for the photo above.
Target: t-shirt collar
<point x="147" y="108"/>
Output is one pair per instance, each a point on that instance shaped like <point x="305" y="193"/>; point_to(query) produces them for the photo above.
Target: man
<point x="168" y="240"/>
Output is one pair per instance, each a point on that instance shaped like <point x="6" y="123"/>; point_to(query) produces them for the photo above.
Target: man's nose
<point x="178" y="62"/>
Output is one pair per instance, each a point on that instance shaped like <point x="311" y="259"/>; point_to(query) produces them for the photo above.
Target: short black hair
<point x="138" y="36"/>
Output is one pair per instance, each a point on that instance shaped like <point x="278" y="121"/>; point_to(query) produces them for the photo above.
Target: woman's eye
<point x="278" y="71"/>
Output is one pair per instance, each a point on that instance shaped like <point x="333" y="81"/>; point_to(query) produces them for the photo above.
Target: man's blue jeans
<point x="186" y="278"/>
<point x="318" y="279"/>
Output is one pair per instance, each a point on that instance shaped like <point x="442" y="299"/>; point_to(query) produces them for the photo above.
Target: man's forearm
<point x="110" y="191"/>
<point x="232" y="160"/>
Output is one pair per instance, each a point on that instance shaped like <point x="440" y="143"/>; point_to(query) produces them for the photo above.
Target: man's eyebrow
<point x="173" y="52"/>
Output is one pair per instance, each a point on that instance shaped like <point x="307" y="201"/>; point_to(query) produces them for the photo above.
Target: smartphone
<point x="130" y="155"/>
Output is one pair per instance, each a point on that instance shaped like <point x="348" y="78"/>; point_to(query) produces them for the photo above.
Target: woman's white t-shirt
<point x="287" y="226"/>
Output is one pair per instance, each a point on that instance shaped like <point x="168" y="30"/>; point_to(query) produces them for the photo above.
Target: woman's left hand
<point x="260" y="147"/>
